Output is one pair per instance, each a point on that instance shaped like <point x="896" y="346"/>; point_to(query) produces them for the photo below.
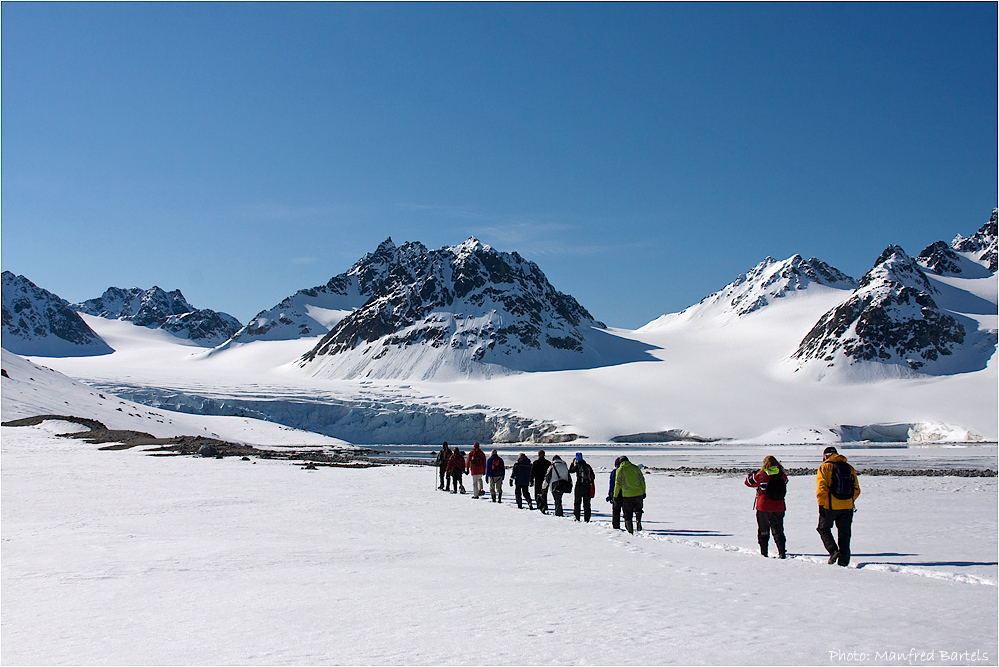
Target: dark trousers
<point x="522" y="493"/>
<point x="443" y="471"/>
<point x="632" y="506"/>
<point x="616" y="513"/>
<point x="457" y="482"/>
<point x="582" y="495"/>
<point x="541" y="497"/>
<point x="767" y="523"/>
<point x="844" y="528"/>
<point x="557" y="495"/>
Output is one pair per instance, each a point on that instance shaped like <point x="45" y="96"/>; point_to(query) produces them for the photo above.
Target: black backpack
<point x="776" y="487"/>
<point x="841" y="483"/>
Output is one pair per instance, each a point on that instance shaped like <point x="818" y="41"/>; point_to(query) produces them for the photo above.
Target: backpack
<point x="841" y="482"/>
<point x="478" y="457"/>
<point x="496" y="465"/>
<point x="776" y="487"/>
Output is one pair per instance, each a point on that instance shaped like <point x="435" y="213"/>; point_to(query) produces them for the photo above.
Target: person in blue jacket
<point x="615" y="502"/>
<point x="495" y="472"/>
<point x="520" y="479"/>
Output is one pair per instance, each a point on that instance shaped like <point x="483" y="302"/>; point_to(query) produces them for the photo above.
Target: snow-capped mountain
<point x="458" y="311"/>
<point x="158" y="309"/>
<point x="313" y="312"/>
<point x="761" y="286"/>
<point x="37" y="322"/>
<point x="981" y="246"/>
<point x="893" y="321"/>
<point x="973" y="257"/>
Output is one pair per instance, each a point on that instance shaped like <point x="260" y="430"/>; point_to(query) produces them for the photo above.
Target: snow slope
<point x="30" y="390"/>
<point x="122" y="558"/>
<point x="718" y="381"/>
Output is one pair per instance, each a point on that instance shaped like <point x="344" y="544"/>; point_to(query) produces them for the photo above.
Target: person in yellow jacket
<point x="629" y="489"/>
<point x="836" y="489"/>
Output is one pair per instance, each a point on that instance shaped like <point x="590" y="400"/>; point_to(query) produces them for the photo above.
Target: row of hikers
<point x="626" y="493"/>
<point x="837" y="488"/>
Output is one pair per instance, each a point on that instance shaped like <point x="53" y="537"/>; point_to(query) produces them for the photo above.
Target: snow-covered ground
<point x="124" y="558"/>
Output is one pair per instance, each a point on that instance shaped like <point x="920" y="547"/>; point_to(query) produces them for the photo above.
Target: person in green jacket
<point x="629" y="490"/>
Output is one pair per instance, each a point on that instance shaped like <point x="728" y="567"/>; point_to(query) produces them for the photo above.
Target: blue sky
<point x="644" y="155"/>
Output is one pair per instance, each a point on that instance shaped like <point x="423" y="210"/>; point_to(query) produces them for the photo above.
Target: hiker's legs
<point x="763" y="530"/>
<point x="844" y="530"/>
<point x="825" y="532"/>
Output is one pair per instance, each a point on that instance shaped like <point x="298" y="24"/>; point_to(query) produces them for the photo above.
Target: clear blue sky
<point x="643" y="155"/>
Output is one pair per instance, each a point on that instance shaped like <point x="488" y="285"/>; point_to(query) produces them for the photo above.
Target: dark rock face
<point x="37" y="322"/>
<point x="891" y="318"/>
<point x="157" y="308"/>
<point x="940" y="258"/>
<point x="465" y="297"/>
<point x="983" y="243"/>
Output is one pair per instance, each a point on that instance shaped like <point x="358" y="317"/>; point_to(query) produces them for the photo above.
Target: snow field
<point x="124" y="558"/>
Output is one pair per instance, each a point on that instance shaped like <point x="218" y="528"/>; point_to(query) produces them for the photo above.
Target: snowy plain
<point x="118" y="557"/>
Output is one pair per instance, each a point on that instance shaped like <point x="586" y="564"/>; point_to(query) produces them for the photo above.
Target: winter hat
<point x="617" y="461"/>
<point x="579" y="456"/>
<point x="829" y="451"/>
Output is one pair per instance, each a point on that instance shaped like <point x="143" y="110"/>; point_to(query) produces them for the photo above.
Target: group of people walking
<point x="627" y="483"/>
<point x="837" y="487"/>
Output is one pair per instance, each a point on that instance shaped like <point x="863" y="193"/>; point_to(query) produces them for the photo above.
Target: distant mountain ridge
<point x="156" y="308"/>
<point x="37" y="322"/>
<point x="759" y="287"/>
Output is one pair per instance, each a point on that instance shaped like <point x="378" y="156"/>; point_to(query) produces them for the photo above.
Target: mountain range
<point x="417" y="345"/>
<point x="471" y="311"/>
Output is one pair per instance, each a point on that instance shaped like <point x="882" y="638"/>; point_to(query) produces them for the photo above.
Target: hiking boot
<point x="764" y="551"/>
<point x="782" y="554"/>
<point x="628" y="526"/>
<point x="833" y="557"/>
<point x="638" y="523"/>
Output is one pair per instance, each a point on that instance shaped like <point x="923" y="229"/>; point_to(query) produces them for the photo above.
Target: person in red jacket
<point x="770" y="482"/>
<point x="476" y="467"/>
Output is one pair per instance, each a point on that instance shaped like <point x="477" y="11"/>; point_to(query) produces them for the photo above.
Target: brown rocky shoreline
<point x="201" y="446"/>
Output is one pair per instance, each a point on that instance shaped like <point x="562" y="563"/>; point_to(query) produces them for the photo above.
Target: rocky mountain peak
<point x="890" y="319"/>
<point x="766" y="282"/>
<point x="982" y="245"/>
<point x="895" y="267"/>
<point x="468" y="302"/>
<point x="37" y="322"/>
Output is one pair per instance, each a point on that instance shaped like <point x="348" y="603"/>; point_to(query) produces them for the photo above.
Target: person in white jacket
<point x="557" y="481"/>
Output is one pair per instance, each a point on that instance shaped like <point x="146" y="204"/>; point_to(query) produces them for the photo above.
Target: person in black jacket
<point x="584" y="479"/>
<point x="539" y="470"/>
<point x="520" y="479"/>
<point x="441" y="461"/>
